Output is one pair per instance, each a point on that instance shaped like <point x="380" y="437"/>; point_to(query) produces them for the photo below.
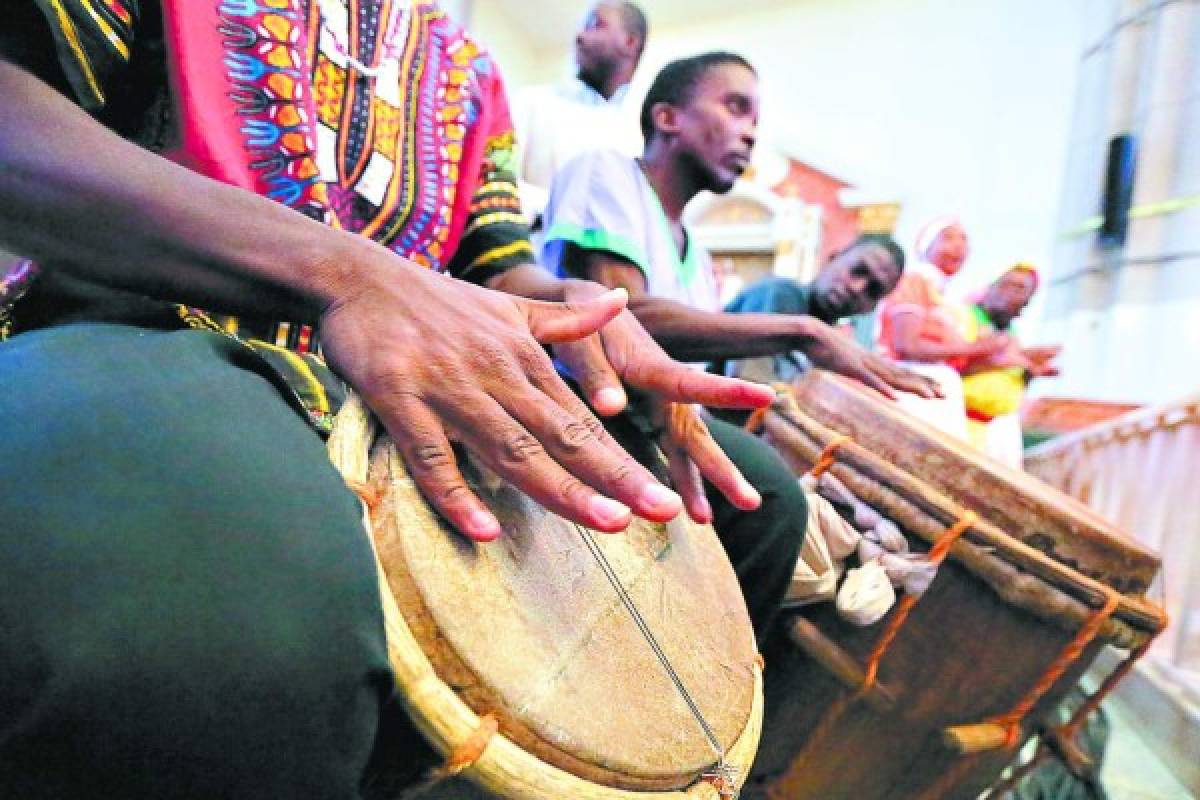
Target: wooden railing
<point x="1142" y="471"/>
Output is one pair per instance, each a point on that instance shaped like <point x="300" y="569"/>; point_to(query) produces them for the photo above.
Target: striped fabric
<point x="94" y="39"/>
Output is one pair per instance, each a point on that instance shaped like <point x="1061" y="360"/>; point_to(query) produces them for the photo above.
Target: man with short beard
<point x="617" y="220"/>
<point x="556" y="123"/>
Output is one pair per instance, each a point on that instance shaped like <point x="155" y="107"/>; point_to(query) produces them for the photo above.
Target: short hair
<point x="887" y="243"/>
<point x="634" y="20"/>
<point x="675" y="82"/>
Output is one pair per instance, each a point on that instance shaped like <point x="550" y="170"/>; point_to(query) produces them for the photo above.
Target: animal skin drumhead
<point x="529" y="629"/>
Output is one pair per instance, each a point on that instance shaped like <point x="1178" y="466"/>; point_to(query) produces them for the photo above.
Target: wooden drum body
<point x="527" y="635"/>
<point x="1032" y="589"/>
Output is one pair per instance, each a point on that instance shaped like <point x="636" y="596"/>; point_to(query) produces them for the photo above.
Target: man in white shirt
<point x="556" y="123"/>
<point x="618" y="220"/>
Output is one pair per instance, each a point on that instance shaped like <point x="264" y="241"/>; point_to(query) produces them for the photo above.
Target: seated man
<point x="852" y="282"/>
<point x="190" y="606"/>
<point x="617" y="220"/>
<point x="994" y="385"/>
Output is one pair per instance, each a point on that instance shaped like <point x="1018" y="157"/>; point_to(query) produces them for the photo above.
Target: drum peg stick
<point x="1061" y="741"/>
<point x="838" y="663"/>
<point x="979" y="738"/>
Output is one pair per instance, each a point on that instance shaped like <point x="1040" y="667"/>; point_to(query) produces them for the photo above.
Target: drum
<point x="522" y="666"/>
<point x="935" y="699"/>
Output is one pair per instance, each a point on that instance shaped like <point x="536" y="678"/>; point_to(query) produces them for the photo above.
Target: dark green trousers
<point x="762" y="544"/>
<point x="188" y="604"/>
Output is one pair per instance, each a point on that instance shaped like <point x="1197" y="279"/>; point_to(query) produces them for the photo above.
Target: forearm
<point x="530" y="281"/>
<point x="906" y="343"/>
<point x="76" y="197"/>
<point x="932" y="351"/>
<point x="689" y="334"/>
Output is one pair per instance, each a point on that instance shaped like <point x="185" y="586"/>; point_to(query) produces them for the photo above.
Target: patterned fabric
<point x="94" y="39"/>
<point x="380" y="117"/>
<point x="14" y="283"/>
<point x="305" y="377"/>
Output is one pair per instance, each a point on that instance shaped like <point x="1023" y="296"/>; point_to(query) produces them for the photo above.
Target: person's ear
<point x="666" y="118"/>
<point x="631" y="46"/>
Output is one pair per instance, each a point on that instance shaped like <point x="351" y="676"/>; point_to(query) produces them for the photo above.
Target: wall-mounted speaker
<point x="1118" y="190"/>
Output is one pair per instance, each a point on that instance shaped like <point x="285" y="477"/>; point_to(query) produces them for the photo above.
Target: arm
<point x="623" y="353"/>
<point x="432" y="356"/>
<point x="689" y="334"/>
<point x="908" y="345"/>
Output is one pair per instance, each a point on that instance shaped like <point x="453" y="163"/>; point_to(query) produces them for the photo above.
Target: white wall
<point x="958" y="106"/>
<point x="521" y="60"/>
<point x="1128" y="316"/>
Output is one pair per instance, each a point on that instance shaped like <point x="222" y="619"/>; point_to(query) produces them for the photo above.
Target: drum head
<point x="529" y="629"/>
<point x="1023" y="506"/>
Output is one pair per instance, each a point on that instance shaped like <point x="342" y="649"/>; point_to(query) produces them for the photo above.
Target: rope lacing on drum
<point x="724" y="777"/>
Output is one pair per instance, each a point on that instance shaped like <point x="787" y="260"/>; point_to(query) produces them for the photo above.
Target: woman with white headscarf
<point x="922" y="328"/>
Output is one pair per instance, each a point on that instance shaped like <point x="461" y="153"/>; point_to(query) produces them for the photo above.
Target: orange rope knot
<point x="369" y="494"/>
<point x="1069" y="729"/>
<point x="941" y="548"/>
<point x="469" y="750"/>
<point x="754" y="423"/>
<point x="1069" y="655"/>
<point x="936" y="555"/>
<point x="826" y="459"/>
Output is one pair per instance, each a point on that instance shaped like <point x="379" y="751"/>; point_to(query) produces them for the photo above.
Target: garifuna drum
<point x="520" y="665"/>
<point x="935" y="699"/>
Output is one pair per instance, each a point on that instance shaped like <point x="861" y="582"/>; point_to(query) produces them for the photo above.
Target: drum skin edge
<point x="446" y="721"/>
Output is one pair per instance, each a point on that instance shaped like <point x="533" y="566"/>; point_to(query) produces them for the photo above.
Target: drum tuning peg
<point x="724" y="778"/>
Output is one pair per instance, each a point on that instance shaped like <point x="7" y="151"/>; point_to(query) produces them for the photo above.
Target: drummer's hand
<point x="836" y="352"/>
<point x="435" y="357"/>
<point x="624" y="354"/>
<point x="1011" y="356"/>
<point x="693" y="455"/>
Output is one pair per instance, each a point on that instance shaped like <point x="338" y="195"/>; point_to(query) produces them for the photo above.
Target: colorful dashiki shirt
<point x="381" y="117"/>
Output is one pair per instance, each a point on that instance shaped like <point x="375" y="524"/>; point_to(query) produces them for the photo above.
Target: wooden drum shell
<point x="1000" y="611"/>
<point x="446" y="688"/>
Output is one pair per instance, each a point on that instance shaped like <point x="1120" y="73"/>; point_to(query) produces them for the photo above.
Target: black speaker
<point x="1118" y="190"/>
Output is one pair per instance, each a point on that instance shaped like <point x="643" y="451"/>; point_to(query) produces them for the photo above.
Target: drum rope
<point x="1069" y="655"/>
<point x="463" y="756"/>
<point x="1011" y="721"/>
<point x="754" y="423"/>
<point x="724" y="776"/>
<point x="828" y="456"/>
<point x="936" y="554"/>
<point x="1070" y="729"/>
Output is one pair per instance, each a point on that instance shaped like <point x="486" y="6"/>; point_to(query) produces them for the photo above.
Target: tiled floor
<point x="1131" y="770"/>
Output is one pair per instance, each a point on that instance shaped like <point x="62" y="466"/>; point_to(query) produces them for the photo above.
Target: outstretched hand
<point x="836" y="352"/>
<point x="436" y="359"/>
<point x="623" y="353"/>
